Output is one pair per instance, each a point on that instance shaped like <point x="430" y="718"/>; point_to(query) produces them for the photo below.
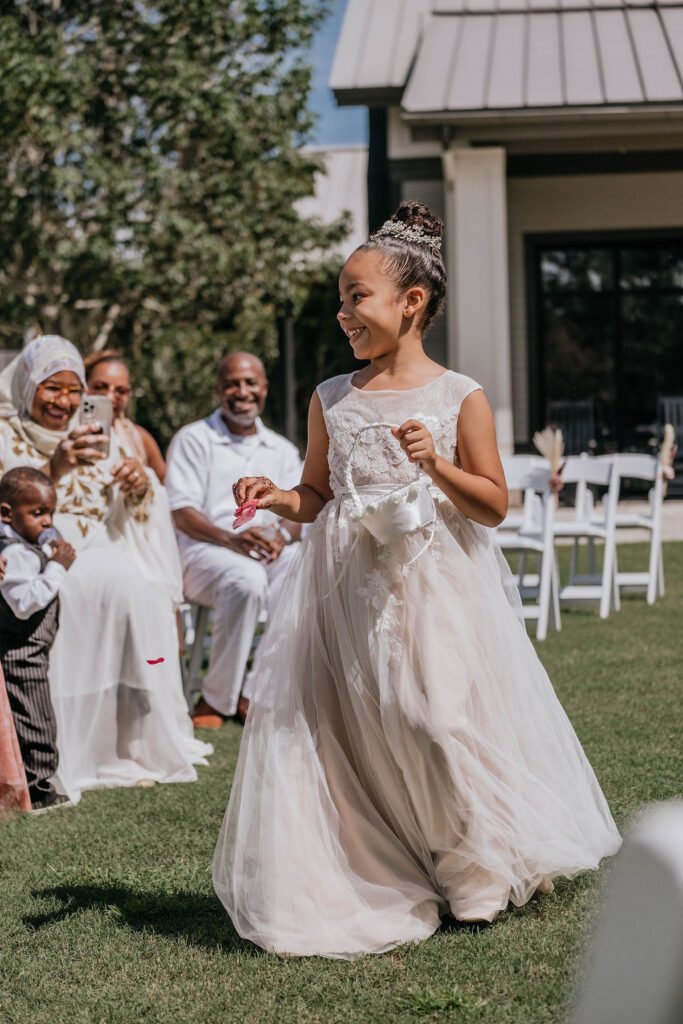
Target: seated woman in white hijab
<point x="114" y="673"/>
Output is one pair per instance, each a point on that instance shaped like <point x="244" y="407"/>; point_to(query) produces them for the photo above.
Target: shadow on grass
<point x="200" y="920"/>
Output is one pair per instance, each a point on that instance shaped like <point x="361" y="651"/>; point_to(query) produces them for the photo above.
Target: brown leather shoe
<point x="206" y="717"/>
<point x="242" y="710"/>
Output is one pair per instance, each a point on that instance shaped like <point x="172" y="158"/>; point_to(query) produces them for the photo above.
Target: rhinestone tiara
<point x="395" y="229"/>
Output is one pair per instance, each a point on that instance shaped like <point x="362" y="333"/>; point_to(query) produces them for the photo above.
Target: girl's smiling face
<point x="372" y="315"/>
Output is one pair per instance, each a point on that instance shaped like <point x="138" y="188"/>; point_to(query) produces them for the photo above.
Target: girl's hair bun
<point x="413" y="214"/>
<point x="410" y="246"/>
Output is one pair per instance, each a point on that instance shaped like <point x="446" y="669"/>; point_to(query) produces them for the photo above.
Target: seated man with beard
<point x="238" y="574"/>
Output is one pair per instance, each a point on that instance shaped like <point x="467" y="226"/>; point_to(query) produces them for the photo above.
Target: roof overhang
<point x="614" y="115"/>
<point x="533" y="62"/>
<point x="369" y="97"/>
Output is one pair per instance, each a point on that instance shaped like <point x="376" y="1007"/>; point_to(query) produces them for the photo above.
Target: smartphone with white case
<point x="98" y="410"/>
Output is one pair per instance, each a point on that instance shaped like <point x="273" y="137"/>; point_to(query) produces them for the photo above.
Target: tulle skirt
<point x="405" y="755"/>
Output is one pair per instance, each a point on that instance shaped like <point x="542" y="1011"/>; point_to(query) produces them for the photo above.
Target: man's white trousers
<point x="238" y="588"/>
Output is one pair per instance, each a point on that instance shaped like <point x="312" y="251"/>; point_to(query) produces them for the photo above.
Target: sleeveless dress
<point x="405" y="755"/>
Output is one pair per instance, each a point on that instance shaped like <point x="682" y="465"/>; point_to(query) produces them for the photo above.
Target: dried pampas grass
<point x="550" y="443"/>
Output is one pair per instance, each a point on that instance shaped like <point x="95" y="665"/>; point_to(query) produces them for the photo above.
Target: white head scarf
<point x="19" y="382"/>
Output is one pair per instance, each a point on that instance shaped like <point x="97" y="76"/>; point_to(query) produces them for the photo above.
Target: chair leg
<point x="592" y="562"/>
<point x="554" y="619"/>
<point x="609" y="590"/>
<point x="545" y="570"/>
<point x="574" y="562"/>
<point x="660" y="572"/>
<point x="653" y="571"/>
<point x="197" y="653"/>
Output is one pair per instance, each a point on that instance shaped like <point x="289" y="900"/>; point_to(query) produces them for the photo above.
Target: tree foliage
<point x="149" y="170"/>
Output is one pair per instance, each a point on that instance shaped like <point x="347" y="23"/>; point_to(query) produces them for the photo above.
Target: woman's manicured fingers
<point x="76" y="455"/>
<point x="83" y="430"/>
<point x="130" y="475"/>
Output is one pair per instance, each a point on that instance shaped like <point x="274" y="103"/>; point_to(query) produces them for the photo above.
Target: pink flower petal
<point x="244" y="513"/>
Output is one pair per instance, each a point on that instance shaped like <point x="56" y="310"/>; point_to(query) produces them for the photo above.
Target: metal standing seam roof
<point x="377" y="43"/>
<point x="504" y="55"/>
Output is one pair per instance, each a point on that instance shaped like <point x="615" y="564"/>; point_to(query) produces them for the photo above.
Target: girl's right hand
<point x="259" y="489"/>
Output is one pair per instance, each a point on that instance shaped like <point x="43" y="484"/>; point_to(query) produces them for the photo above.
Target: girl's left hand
<point x="416" y="442"/>
<point x="129" y="473"/>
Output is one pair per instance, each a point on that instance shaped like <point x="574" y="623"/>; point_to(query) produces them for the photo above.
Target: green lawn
<point x="108" y="915"/>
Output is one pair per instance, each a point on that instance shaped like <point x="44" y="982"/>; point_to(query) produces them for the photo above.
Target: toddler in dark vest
<point x="29" y="616"/>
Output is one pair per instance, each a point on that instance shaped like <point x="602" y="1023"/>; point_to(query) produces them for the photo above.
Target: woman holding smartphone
<point x="114" y="672"/>
<point x="107" y="375"/>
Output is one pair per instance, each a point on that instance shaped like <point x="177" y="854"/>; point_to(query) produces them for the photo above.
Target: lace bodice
<point x="378" y="457"/>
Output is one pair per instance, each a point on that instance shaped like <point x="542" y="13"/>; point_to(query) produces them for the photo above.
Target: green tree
<point x="150" y="166"/>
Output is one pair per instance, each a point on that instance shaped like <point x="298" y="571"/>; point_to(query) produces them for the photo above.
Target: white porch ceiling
<point x="504" y="55"/>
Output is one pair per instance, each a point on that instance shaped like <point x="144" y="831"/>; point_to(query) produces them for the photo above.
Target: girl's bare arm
<point x="303" y="502"/>
<point x="478" y="489"/>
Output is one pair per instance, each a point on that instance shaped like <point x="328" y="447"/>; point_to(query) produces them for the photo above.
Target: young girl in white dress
<point x="405" y="755"/>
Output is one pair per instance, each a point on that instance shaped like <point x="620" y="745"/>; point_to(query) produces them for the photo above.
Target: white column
<point x="477" y="261"/>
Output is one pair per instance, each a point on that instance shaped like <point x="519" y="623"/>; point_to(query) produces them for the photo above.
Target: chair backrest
<point x="530" y="474"/>
<point x="526" y="472"/>
<point x="633" y="466"/>
<point x="588" y="470"/>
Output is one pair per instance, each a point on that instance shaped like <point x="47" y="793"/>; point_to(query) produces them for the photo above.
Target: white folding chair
<point x="592" y="586"/>
<point x="632" y="466"/>
<point x="196" y="619"/>
<point x="531" y="533"/>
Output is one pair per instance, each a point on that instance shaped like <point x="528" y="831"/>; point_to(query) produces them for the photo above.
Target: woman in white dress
<point x="405" y="755"/>
<point x="148" y="533"/>
<point x="114" y="672"/>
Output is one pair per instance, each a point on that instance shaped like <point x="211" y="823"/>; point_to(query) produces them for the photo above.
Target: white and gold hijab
<point x="20" y="379"/>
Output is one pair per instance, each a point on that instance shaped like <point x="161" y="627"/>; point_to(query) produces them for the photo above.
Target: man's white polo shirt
<point x="205" y="460"/>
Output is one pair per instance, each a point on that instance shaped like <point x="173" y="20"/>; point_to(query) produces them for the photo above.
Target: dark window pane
<point x="651" y="359"/>
<point x="619" y="350"/>
<point x="648" y="267"/>
<point x="576" y="270"/>
<point x="579" y="354"/>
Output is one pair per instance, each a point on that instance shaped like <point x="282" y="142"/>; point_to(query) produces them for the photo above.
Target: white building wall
<point x="342" y="189"/>
<point x="604" y="202"/>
